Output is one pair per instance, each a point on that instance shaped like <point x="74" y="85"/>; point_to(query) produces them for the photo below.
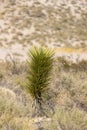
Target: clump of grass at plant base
<point x="40" y="64"/>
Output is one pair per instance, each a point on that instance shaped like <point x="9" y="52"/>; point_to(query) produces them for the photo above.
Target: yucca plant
<point x="40" y="64"/>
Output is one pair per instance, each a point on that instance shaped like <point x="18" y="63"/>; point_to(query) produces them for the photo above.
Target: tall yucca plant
<point x="40" y="64"/>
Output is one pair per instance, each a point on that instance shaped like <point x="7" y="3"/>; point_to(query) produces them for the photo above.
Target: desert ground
<point x="60" y="25"/>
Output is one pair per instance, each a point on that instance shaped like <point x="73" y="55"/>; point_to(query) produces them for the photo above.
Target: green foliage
<point x="40" y="64"/>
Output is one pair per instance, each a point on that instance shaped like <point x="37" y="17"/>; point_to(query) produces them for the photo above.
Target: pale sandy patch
<point x="22" y="52"/>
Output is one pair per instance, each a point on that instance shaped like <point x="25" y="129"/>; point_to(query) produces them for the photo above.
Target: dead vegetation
<point x="67" y="97"/>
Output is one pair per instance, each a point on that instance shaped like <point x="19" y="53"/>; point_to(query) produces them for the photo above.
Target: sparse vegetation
<point x="46" y="25"/>
<point x="61" y="25"/>
<point x="68" y="97"/>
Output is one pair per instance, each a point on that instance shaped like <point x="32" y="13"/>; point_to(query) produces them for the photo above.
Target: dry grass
<point x="67" y="98"/>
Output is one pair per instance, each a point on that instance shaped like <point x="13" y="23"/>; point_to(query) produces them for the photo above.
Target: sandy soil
<point x="18" y="52"/>
<point x="53" y="23"/>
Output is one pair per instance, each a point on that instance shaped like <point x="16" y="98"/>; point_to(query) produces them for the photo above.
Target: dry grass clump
<point x="8" y="103"/>
<point x="73" y="119"/>
<point x="15" y="111"/>
<point x="12" y="66"/>
<point x="64" y="119"/>
<point x="22" y="123"/>
<point x="16" y="123"/>
<point x="67" y="64"/>
<point x="71" y="83"/>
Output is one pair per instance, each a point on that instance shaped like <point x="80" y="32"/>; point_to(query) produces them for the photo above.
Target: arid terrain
<point x="60" y="25"/>
<point x="50" y="23"/>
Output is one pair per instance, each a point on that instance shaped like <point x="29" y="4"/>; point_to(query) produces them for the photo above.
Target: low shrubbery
<point x="67" y="96"/>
